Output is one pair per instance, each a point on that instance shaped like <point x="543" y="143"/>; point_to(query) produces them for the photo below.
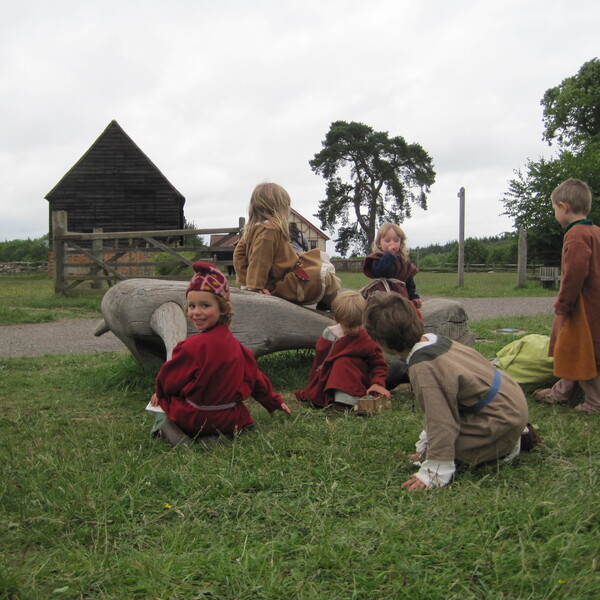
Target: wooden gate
<point x="110" y="257"/>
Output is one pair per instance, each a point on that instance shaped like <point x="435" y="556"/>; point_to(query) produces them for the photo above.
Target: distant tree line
<point x="28" y="250"/>
<point x="490" y="251"/>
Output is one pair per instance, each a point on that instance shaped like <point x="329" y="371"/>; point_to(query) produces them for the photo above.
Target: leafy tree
<point x="28" y="250"/>
<point x="476" y="252"/>
<point x="572" y="121"/>
<point x="371" y="178"/>
<point x="572" y="109"/>
<point x="195" y="240"/>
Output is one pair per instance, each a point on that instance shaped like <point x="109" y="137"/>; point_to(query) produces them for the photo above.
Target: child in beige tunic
<point x="473" y="413"/>
<point x="265" y="261"/>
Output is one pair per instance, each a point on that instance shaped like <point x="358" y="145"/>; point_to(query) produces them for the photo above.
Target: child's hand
<point x="413" y="484"/>
<point x="417" y="302"/>
<point x="154" y="400"/>
<point x="284" y="407"/>
<point x="378" y="389"/>
<point x="414" y="457"/>
<point x="264" y="291"/>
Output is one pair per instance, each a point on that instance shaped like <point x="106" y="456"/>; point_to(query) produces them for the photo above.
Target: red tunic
<point x="349" y="364"/>
<point x="212" y="369"/>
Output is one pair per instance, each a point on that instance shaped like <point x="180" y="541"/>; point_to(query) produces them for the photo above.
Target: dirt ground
<point x="76" y="336"/>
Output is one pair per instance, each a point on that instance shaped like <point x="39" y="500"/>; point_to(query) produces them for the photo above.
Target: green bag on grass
<point x="526" y="360"/>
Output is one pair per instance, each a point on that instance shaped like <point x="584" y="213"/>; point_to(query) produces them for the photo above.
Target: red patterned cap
<point x="208" y="279"/>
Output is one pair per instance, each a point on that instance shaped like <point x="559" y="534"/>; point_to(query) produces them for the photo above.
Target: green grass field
<point x="308" y="506"/>
<point x="31" y="298"/>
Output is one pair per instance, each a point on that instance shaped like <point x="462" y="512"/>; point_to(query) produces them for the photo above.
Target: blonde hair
<point x="575" y="193"/>
<point x="348" y="308"/>
<point x="269" y="202"/>
<point x="383" y="229"/>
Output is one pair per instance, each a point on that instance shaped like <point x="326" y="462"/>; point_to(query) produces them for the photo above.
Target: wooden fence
<point x="116" y="256"/>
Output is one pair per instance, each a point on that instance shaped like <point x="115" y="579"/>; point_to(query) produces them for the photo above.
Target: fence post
<point x="461" y="237"/>
<point x="522" y="258"/>
<point x="59" y="228"/>
<point x="97" y="249"/>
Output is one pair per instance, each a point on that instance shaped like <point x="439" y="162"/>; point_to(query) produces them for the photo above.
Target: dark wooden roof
<point x="114" y="185"/>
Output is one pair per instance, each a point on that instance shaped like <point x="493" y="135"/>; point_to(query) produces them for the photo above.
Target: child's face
<point x="203" y="310"/>
<point x="390" y="242"/>
<point x="351" y="331"/>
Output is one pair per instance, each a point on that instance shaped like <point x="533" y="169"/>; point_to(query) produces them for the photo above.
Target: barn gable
<point x="115" y="186"/>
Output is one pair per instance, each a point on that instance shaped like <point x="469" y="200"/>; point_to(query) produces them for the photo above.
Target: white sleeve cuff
<point x="436" y="473"/>
<point x="421" y="445"/>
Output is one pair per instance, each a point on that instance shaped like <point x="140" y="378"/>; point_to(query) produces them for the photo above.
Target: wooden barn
<point x="116" y="187"/>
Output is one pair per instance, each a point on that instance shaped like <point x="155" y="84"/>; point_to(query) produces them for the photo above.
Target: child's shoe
<point x="530" y="438"/>
<point x="173" y="435"/>
<point x="546" y="397"/>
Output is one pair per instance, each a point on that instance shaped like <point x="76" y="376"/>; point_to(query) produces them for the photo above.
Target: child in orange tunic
<point x="579" y="287"/>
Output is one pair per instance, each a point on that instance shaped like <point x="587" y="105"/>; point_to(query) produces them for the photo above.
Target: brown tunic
<point x="263" y="257"/>
<point x="448" y="377"/>
<point x="580" y="275"/>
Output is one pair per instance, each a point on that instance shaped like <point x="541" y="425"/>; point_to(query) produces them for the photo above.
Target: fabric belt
<point x="206" y="407"/>
<point x="488" y="397"/>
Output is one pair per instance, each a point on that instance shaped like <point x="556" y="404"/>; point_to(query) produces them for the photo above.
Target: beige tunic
<point x="263" y="257"/>
<point x="448" y="377"/>
<point x="266" y="259"/>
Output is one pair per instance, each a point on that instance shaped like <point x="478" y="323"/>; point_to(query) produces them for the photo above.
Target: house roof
<point x="113" y="152"/>
<point x="309" y="224"/>
<point x="216" y="237"/>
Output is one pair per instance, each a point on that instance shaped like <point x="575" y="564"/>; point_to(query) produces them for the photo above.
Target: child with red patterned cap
<point x="203" y="387"/>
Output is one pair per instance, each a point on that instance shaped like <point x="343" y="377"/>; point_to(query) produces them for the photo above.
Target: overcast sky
<point x="223" y="95"/>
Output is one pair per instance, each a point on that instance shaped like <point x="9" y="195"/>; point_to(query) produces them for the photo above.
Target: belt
<point x="206" y="407"/>
<point x="488" y="397"/>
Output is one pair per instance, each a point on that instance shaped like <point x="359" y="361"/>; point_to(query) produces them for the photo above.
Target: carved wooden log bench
<point x="147" y="315"/>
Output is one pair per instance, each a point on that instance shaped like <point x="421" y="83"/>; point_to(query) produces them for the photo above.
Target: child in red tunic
<point x="203" y="387"/>
<point x="389" y="265"/>
<point x="348" y="363"/>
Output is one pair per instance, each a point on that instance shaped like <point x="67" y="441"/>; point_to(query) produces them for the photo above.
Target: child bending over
<point x="389" y="265"/>
<point x="473" y="412"/>
<point x="265" y="261"/>
<point x="203" y="387"/>
<point x="348" y="363"/>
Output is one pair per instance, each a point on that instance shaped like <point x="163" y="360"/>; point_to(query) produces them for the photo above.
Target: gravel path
<point x="76" y="336"/>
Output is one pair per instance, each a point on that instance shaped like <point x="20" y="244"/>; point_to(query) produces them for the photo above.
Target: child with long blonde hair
<point x="390" y="266"/>
<point x="265" y="261"/>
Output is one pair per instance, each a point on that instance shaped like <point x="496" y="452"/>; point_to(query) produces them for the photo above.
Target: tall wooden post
<point x="461" y="237"/>
<point x="522" y="258"/>
<point x="97" y="250"/>
<point x="59" y="228"/>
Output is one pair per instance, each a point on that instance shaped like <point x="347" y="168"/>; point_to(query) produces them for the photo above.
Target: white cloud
<point x="223" y="95"/>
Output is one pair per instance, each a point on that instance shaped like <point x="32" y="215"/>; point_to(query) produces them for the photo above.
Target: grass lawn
<point x="308" y="506"/>
<point x="31" y="298"/>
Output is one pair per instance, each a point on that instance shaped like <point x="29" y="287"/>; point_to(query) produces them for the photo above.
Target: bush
<point x="24" y="250"/>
